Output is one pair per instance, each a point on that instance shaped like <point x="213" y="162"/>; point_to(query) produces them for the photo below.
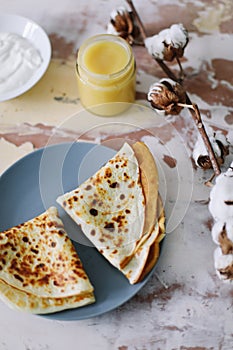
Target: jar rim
<point x="104" y="37"/>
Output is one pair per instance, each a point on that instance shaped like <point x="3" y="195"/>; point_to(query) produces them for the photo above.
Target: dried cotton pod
<point x="166" y="96"/>
<point x="220" y="147"/>
<point x="222" y="235"/>
<point x="122" y="24"/>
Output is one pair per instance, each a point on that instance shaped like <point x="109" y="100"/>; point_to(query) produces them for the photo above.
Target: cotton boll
<point x="222" y="234"/>
<point x="155" y="46"/>
<point x="216" y="231"/>
<point x="221" y="197"/>
<point x="223" y="264"/>
<point x="220" y="147"/>
<point x="168" y="43"/>
<point x="178" y="35"/>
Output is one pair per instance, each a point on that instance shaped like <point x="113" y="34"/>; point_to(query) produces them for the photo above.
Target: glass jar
<point x="106" y="73"/>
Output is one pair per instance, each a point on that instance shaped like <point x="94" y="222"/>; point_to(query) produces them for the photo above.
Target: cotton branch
<point x="193" y="108"/>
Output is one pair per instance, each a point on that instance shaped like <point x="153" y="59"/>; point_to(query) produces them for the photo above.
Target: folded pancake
<point x="147" y="253"/>
<point x="39" y="263"/>
<point x="118" y="210"/>
<point x="24" y="301"/>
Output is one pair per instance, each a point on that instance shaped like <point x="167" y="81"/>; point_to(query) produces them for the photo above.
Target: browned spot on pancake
<point x="40" y="266"/>
<point x="126" y="176"/>
<point x="93" y="212"/>
<point x="119" y="242"/>
<point x="114" y="185"/>
<point x="109" y="226"/>
<point x="93" y="232"/>
<point x="124" y="164"/>
<point x="35" y="251"/>
<point x="88" y="188"/>
<point x="122" y="196"/>
<point x="132" y="184"/>
<point x="120" y="220"/>
<point x="108" y="173"/>
<point x="108" y="236"/>
<point x="97" y="180"/>
<point x="19" y="278"/>
<point x="3" y="261"/>
<point x="50" y="224"/>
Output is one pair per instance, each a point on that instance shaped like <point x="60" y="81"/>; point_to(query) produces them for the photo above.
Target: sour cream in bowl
<point x="25" y="53"/>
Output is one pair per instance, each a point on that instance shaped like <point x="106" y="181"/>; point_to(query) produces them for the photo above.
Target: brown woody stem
<point x="194" y="110"/>
<point x="140" y="24"/>
<point x="197" y="118"/>
<point x="209" y="183"/>
<point x="182" y="75"/>
<point x="166" y="69"/>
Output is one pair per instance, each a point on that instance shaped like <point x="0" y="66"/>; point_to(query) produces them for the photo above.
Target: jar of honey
<point x="106" y="73"/>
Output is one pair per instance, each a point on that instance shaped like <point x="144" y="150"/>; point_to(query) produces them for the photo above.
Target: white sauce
<point x="19" y="60"/>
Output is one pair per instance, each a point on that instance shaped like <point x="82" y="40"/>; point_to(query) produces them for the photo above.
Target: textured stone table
<point x="184" y="305"/>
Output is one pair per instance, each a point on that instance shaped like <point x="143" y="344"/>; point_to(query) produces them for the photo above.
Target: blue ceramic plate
<point x="33" y="183"/>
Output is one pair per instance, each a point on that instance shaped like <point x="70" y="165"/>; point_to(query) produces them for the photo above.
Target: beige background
<point x="184" y="305"/>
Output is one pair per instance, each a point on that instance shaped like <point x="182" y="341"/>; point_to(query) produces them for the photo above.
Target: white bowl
<point x="37" y="36"/>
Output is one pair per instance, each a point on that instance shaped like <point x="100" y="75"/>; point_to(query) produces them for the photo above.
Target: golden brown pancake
<point x="117" y="210"/>
<point x="39" y="263"/>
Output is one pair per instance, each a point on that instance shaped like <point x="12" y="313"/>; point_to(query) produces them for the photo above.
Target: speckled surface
<point x="184" y="305"/>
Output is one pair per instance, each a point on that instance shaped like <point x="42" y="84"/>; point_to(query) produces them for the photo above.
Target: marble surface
<point x="184" y="305"/>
